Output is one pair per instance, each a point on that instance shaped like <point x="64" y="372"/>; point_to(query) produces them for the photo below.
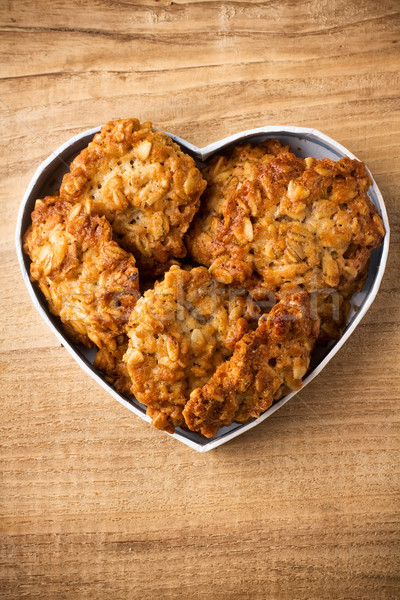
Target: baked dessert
<point x="142" y="182"/>
<point x="179" y="333"/>
<point x="277" y="222"/>
<point x="87" y="279"/>
<point x="266" y="364"/>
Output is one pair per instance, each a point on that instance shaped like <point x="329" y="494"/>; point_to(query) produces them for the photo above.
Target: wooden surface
<point x="95" y="504"/>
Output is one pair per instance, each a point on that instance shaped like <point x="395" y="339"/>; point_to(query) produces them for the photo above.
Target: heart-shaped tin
<point x="304" y="142"/>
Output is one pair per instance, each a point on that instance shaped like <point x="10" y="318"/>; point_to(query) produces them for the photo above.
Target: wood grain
<point x="94" y="503"/>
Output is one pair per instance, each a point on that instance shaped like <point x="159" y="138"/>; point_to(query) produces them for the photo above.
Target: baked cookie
<point x="87" y="279"/>
<point x="222" y="233"/>
<point x="179" y="333"/>
<point x="267" y="364"/>
<point x="282" y="223"/>
<point x="143" y="183"/>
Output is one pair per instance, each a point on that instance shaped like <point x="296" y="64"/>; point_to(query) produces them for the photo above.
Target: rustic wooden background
<point x="94" y="503"/>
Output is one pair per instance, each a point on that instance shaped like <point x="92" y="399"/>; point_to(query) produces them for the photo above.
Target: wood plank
<point x="95" y="503"/>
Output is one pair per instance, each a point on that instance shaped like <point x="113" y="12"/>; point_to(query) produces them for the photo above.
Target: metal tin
<point x="304" y="142"/>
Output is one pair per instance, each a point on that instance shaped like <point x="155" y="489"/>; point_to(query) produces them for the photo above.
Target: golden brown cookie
<point x="180" y="332"/>
<point x="143" y="183"/>
<point x="281" y="223"/>
<point x="267" y="364"/>
<point x="87" y="279"/>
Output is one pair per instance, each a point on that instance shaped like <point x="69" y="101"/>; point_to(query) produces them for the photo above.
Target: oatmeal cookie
<point x="267" y="364"/>
<point x="143" y="183"/>
<point x="179" y="333"/>
<point x="87" y="279"/>
<point x="283" y="223"/>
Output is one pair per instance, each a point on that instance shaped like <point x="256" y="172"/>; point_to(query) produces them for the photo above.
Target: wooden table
<point x="95" y="504"/>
